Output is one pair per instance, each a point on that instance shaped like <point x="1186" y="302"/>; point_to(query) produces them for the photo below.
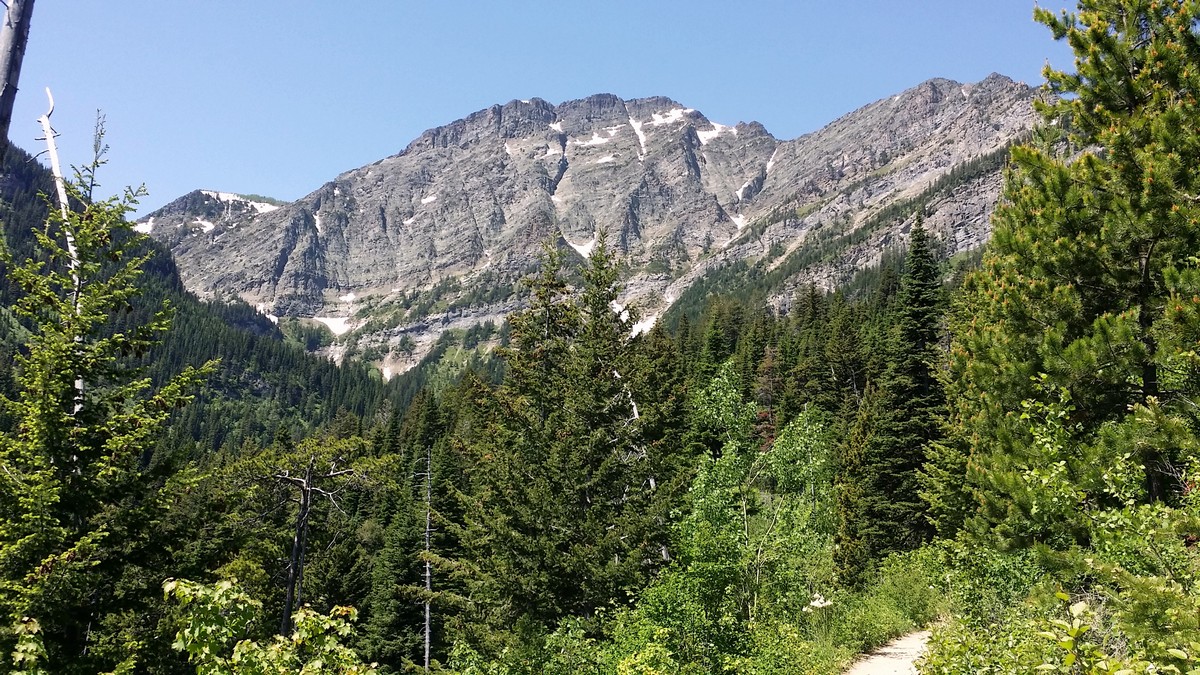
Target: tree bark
<point x="14" y="35"/>
<point x="295" y="571"/>
<point x="1154" y="461"/>
<point x="296" y="562"/>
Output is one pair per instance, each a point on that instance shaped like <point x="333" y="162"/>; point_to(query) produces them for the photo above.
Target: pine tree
<point x="913" y="396"/>
<point x="811" y="377"/>
<point x="1081" y="307"/>
<point x="73" y="493"/>
<point x="844" y="355"/>
<point x="858" y="530"/>
<point x="657" y="380"/>
<point x="563" y="514"/>
<point x="887" y="445"/>
<point x="389" y="631"/>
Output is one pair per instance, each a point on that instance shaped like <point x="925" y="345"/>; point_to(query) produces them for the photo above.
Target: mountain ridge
<point x="680" y="196"/>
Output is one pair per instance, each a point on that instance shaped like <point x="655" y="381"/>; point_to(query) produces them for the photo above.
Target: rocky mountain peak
<point x="200" y="211"/>
<point x="467" y="205"/>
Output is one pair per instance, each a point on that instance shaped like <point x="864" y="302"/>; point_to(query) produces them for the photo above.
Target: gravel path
<point x="894" y="658"/>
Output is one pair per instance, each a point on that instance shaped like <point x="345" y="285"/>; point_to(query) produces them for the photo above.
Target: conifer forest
<point x="1002" y="447"/>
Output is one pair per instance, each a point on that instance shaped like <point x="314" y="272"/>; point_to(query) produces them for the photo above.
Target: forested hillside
<point x="603" y="472"/>
<point x="266" y="382"/>
<point x="1003" y="447"/>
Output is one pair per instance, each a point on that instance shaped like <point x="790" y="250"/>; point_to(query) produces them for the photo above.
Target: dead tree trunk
<point x="14" y="35"/>
<point x="64" y="207"/>
<point x="295" y="572"/>
<point x="296" y="562"/>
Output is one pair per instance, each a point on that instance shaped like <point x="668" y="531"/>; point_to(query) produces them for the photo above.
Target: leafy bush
<point x="216" y="615"/>
<point x="1008" y="647"/>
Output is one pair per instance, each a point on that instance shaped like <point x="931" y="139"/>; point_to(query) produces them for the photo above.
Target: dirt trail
<point x="894" y="658"/>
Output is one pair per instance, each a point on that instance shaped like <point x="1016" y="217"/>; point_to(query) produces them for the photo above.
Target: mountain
<point x="264" y="382"/>
<point x="437" y="236"/>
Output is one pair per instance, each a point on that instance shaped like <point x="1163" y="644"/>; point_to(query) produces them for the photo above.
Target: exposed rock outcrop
<point x="469" y="203"/>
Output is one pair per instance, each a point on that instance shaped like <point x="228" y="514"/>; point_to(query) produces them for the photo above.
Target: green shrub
<point x="781" y="648"/>
<point x="1010" y="646"/>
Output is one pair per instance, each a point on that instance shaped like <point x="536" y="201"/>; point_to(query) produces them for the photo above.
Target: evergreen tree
<point x="563" y="514"/>
<point x="392" y="609"/>
<point x="390" y="632"/>
<point x="658" y="380"/>
<point x="887" y="447"/>
<point x="811" y="377"/>
<point x="844" y="354"/>
<point x="74" y="497"/>
<point x="913" y="396"/>
<point x="722" y="328"/>
<point x="858" y="530"/>
<point x="1081" y="310"/>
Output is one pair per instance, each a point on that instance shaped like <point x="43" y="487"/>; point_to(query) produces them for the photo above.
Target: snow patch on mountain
<point x="596" y="139"/>
<point x="669" y="117"/>
<point x="643" y="326"/>
<point x="233" y="198"/>
<point x="717" y="129"/>
<point x="584" y="249"/>
<point x="336" y="325"/>
<point x="637" y="129"/>
<point x="262" y="309"/>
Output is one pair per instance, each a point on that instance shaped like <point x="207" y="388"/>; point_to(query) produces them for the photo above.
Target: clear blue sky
<point x="278" y="96"/>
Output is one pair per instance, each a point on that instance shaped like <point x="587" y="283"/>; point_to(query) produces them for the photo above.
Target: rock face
<point x="464" y="208"/>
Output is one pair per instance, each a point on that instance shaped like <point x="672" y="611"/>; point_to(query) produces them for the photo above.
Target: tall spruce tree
<point x="1081" y="318"/>
<point x="75" y="499"/>
<point x="913" y="397"/>
<point x="563" y="515"/>
<point x="880" y="507"/>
